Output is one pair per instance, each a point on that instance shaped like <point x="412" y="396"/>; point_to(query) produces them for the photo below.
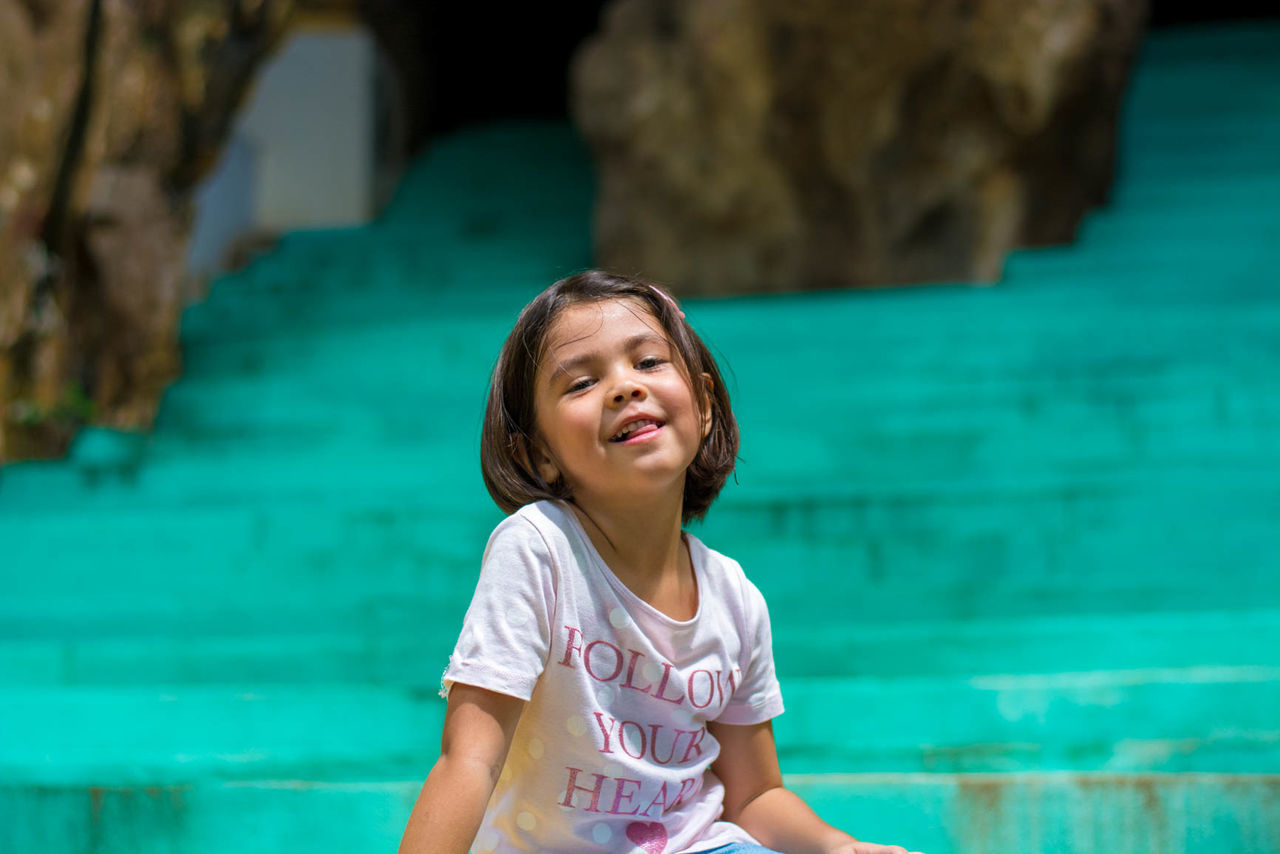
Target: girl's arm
<point x="477" y="733"/>
<point x="756" y="800"/>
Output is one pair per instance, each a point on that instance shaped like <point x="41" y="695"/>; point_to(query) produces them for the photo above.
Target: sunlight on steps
<point x="1021" y="543"/>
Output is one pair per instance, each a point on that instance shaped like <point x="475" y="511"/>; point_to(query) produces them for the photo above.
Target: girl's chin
<point x="641" y="482"/>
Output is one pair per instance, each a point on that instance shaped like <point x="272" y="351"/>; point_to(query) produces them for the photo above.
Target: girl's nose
<point x="628" y="391"/>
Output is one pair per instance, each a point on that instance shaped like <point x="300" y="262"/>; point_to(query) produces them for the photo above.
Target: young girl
<point x="613" y="685"/>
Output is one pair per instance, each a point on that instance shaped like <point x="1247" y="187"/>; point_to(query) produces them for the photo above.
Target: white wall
<point x="302" y="151"/>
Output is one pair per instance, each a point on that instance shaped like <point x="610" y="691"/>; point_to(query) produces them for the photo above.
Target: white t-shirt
<point x="612" y="751"/>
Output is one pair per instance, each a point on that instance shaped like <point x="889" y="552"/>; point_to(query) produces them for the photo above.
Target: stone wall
<point x="759" y="145"/>
<point x="114" y="110"/>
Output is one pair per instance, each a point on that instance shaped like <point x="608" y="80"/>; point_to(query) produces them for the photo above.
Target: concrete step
<point x="164" y="735"/>
<point x="954" y="370"/>
<point x="1033" y="813"/>
<point x="1119" y="229"/>
<point x="1053" y="812"/>
<point x="1133" y="465"/>
<point x="1171" y="719"/>
<point x="888" y="648"/>
<point x="405" y="641"/>
<point x="262" y="535"/>
<point x="953" y="552"/>
<point x="1239" y="189"/>
<point x="955" y="418"/>
<point x="362" y="473"/>
<point x="398" y="659"/>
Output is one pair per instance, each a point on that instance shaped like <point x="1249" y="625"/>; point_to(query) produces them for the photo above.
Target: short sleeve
<point x="506" y="634"/>
<point x="758" y="697"/>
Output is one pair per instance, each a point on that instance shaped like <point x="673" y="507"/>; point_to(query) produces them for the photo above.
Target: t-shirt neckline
<point x="620" y="587"/>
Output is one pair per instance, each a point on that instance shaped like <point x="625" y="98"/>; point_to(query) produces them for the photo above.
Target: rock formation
<point x="793" y="144"/>
<point x="113" y="110"/>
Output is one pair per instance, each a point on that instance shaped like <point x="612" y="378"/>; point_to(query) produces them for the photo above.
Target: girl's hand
<point x="756" y="800"/>
<point x="870" y="848"/>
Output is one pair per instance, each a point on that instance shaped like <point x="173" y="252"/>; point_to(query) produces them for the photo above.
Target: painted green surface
<point x="1031" y="529"/>
<point x="1044" y="813"/>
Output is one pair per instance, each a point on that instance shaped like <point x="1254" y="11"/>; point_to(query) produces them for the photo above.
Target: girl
<point x="613" y="684"/>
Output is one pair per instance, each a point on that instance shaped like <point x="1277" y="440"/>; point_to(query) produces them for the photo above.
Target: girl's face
<point x="614" y="412"/>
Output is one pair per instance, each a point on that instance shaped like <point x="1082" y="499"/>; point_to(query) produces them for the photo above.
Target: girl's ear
<point x="538" y="460"/>
<point x="546" y="466"/>
<point x="708" y="391"/>
<point x="531" y="455"/>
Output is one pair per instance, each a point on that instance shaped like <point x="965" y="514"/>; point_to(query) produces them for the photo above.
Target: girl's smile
<point x="615" y="413"/>
<point x="637" y="430"/>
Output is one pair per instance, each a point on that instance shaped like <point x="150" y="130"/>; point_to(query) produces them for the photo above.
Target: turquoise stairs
<point x="1021" y="543"/>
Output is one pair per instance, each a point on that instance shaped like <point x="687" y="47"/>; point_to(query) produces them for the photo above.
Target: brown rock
<point x="757" y="145"/>
<point x="39" y="78"/>
<point x="114" y="109"/>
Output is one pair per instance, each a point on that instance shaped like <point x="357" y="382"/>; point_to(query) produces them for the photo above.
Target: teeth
<point x="631" y="428"/>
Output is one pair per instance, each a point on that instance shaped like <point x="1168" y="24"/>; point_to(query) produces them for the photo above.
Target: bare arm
<point x="756" y="800"/>
<point x="477" y="733"/>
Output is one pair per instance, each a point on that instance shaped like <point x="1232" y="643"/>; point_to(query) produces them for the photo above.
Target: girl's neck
<point x="642" y="543"/>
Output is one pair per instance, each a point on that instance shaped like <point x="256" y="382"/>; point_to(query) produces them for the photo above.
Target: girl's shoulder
<point x="723" y="577"/>
<point x="714" y="561"/>
<point x="543" y="525"/>
<point x="546" y="517"/>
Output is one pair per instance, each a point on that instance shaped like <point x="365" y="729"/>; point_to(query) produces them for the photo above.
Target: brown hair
<point x="509" y="417"/>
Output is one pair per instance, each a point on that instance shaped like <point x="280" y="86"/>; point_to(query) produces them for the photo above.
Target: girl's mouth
<point x="636" y="429"/>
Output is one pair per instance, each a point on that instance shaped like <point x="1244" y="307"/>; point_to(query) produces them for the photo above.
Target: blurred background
<point x="995" y="281"/>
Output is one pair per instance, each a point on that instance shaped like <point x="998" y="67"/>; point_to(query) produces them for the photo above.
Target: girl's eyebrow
<point x="569" y="365"/>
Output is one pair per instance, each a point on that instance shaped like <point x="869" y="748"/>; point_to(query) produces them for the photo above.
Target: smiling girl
<point x="613" y="685"/>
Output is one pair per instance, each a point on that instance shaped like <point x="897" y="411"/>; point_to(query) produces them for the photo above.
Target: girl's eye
<point x="579" y="385"/>
<point x="650" y="362"/>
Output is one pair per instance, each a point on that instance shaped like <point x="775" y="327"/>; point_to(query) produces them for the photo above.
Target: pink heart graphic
<point x="649" y="835"/>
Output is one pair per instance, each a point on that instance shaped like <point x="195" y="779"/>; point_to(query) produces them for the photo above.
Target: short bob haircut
<point x="509" y="419"/>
